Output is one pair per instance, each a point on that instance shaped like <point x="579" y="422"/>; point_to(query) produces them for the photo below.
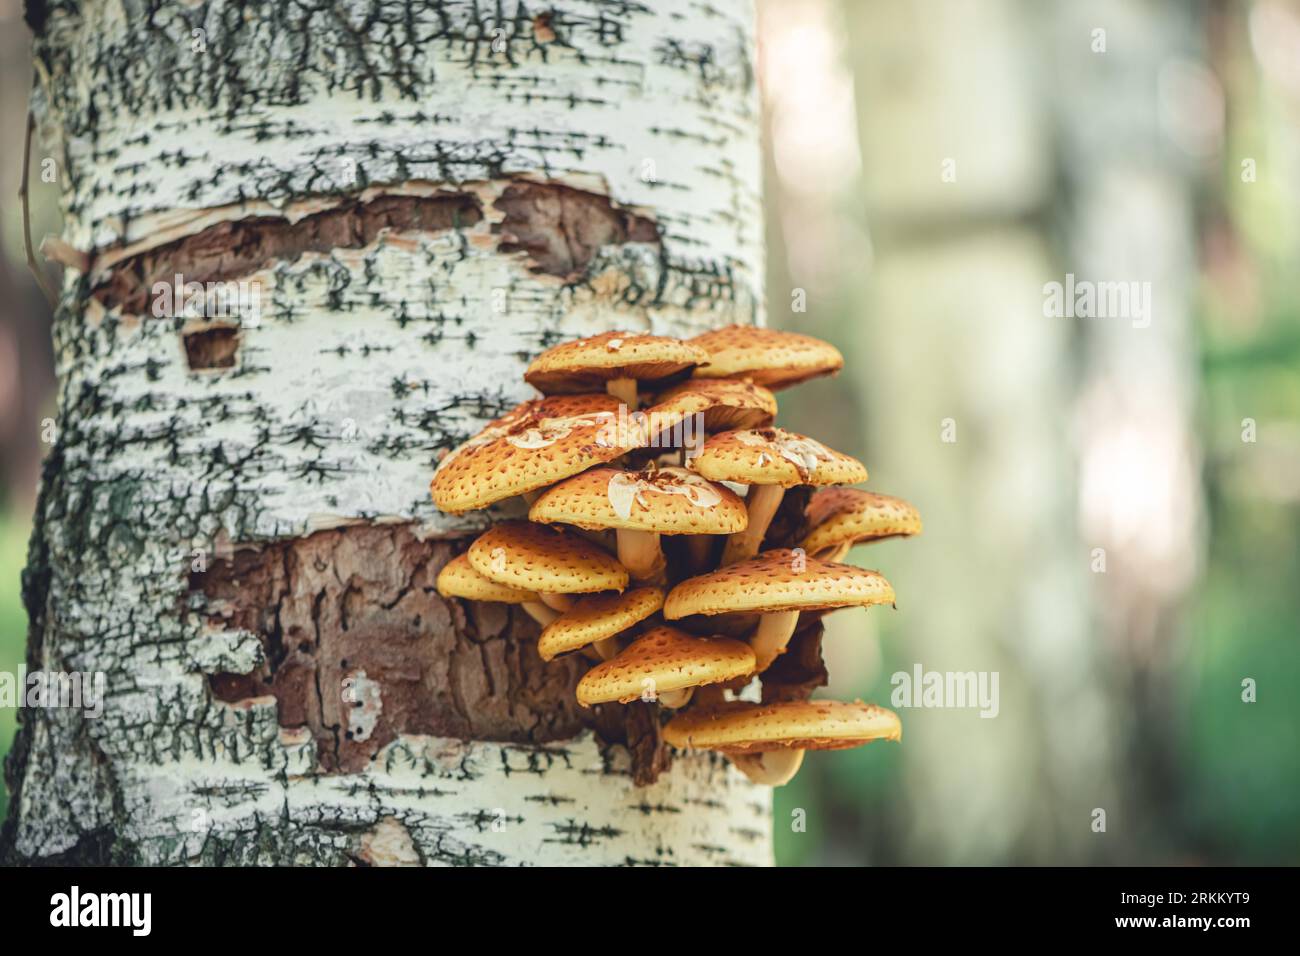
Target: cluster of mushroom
<point x="645" y="532"/>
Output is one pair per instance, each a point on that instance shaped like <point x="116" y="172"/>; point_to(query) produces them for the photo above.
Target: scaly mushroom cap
<point x="458" y="579"/>
<point x="774" y="456"/>
<point x="842" y="516"/>
<point x="587" y="364"/>
<point x="665" y="500"/>
<point x="537" y="558"/>
<point x="781" y="580"/>
<point x="662" y="660"/>
<point x="766" y="356"/>
<point x="595" y="618"/>
<point x="725" y="403"/>
<point x="534" y="445"/>
<point x="737" y="727"/>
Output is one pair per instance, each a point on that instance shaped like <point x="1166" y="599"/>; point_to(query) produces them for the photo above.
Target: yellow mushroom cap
<point x="780" y="580"/>
<point x="587" y="364"/>
<point x="662" y="660"/>
<point x="459" y="579"/>
<point x="664" y="500"/>
<point x="774" y="456"/>
<point x="737" y="727"/>
<point x="768" y="357"/>
<point x="534" y="445"/>
<point x="849" y="515"/>
<point x="724" y="402"/>
<point x="595" y="618"/>
<point x="537" y="558"/>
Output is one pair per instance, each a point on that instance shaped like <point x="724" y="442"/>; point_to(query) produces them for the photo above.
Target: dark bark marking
<point x="213" y="347"/>
<point x="580" y="833"/>
<point x="561" y="228"/>
<point x="35" y="13"/>
<point x="543" y="29"/>
<point x="650" y="757"/>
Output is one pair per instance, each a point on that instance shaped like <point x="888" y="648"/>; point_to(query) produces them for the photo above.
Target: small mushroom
<point x="535" y="445"/>
<point x="598" y="620"/>
<point x="766" y="742"/>
<point x="770" y="460"/>
<point x="640" y="506"/>
<point x="725" y="403"/>
<point x="666" y="665"/>
<point x="767" y="357"/>
<point x="614" y="361"/>
<point x="843" y="517"/>
<point x="555" y="564"/>
<point x="777" y="584"/>
<point x="458" y="579"/>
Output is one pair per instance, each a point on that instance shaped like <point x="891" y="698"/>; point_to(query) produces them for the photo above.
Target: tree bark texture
<point x="234" y="524"/>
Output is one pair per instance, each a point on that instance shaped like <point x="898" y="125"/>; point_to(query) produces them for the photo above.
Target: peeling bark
<point x="241" y="248"/>
<point x="236" y="529"/>
<point x="340" y="611"/>
<point x="562" y="229"/>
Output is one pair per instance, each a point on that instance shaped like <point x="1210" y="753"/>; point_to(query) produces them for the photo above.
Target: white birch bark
<point x="271" y="143"/>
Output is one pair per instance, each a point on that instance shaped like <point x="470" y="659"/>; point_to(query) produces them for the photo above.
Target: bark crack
<point x="231" y="250"/>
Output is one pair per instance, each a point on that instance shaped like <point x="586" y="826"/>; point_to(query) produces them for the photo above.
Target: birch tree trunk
<point x="234" y="524"/>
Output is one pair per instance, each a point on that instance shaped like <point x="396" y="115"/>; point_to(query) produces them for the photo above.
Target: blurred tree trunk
<point x="234" y="525"/>
<point x="1130" y="141"/>
<point x="968" y="405"/>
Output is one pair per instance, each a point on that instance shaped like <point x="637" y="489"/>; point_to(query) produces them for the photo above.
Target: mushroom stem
<point x="639" y="552"/>
<point x="773" y="768"/>
<point x="762" y="502"/>
<point x="531" y="496"/>
<point x="676" y="699"/>
<point x="560" y="602"/>
<point x="540" y="613"/>
<point x="624" y="389"/>
<point x="700" y="549"/>
<point x="771" y="636"/>
<point x="606" y="649"/>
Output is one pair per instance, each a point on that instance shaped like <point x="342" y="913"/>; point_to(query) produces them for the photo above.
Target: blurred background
<point x="1112" y="510"/>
